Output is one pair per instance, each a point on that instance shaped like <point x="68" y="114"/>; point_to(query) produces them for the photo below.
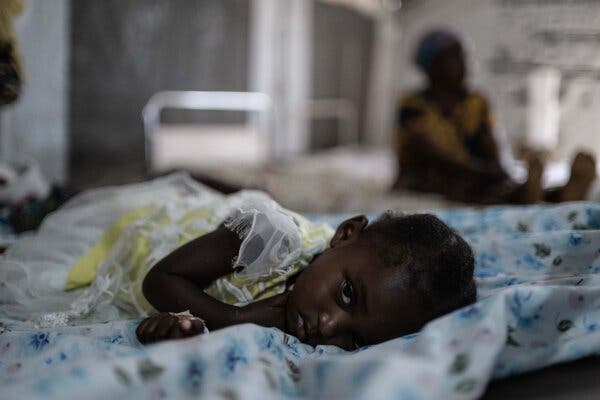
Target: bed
<point x="351" y="179"/>
<point x="538" y="275"/>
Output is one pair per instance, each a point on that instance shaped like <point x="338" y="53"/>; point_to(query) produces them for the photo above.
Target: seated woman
<point x="445" y="141"/>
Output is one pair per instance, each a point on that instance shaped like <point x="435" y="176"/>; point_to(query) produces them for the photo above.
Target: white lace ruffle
<point x="33" y="272"/>
<point x="271" y="240"/>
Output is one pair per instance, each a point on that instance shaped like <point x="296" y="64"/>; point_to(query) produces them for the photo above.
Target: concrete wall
<point x="306" y="50"/>
<point x="91" y="65"/>
<point x="508" y="39"/>
<point x="280" y="60"/>
<point x="341" y="62"/>
<point x="37" y="125"/>
<point x="124" y="51"/>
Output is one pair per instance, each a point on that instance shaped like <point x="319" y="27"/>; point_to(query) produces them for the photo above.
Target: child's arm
<point x="176" y="284"/>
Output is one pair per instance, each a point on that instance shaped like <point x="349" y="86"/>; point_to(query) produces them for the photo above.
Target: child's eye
<point x="347" y="293"/>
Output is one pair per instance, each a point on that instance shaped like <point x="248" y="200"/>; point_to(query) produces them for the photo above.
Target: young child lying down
<point x="244" y="259"/>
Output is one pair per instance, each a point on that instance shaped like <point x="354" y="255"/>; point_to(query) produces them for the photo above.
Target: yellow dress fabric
<point x="10" y="63"/>
<point x="138" y="237"/>
<point x="8" y="10"/>
<point x="451" y="132"/>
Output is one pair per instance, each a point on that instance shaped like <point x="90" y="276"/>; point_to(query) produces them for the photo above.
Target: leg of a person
<point x="583" y="174"/>
<point x="474" y="186"/>
<point x="423" y="171"/>
<point x="510" y="192"/>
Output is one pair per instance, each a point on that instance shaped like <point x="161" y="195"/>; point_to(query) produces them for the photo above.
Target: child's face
<point x="346" y="298"/>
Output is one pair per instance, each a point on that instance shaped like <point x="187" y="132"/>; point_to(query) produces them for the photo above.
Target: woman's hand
<point x="165" y="326"/>
<point x="268" y="312"/>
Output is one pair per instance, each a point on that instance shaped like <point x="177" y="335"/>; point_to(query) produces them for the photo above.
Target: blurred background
<point x="297" y="97"/>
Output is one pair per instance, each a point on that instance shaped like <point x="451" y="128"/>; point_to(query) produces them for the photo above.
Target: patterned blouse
<point x="457" y="133"/>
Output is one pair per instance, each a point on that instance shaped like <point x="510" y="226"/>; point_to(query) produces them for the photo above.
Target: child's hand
<point x="165" y="326"/>
<point x="268" y="312"/>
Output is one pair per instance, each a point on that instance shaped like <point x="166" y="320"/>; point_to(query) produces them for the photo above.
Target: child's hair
<point x="437" y="262"/>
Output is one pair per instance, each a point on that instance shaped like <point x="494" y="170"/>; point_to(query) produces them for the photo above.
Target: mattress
<point x="538" y="277"/>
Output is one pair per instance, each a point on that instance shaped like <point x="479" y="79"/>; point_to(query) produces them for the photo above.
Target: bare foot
<point x="583" y="173"/>
<point x="532" y="188"/>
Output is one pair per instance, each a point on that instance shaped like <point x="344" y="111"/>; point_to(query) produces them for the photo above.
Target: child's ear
<point x="349" y="230"/>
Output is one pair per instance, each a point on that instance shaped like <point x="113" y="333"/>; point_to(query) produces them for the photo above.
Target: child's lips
<point x="296" y="324"/>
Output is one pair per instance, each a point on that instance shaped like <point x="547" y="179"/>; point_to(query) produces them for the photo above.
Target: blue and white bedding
<point x="538" y="272"/>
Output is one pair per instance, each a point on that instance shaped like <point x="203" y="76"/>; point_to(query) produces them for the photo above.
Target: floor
<point x="577" y="380"/>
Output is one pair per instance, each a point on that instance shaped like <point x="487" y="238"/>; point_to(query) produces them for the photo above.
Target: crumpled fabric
<point x="538" y="274"/>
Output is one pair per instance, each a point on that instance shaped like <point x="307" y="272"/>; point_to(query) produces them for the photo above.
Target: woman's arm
<point x="486" y="147"/>
<point x="431" y="153"/>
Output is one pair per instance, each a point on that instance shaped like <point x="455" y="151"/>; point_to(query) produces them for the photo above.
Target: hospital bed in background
<point x="246" y="154"/>
<point x="346" y="178"/>
<point x="538" y="275"/>
<point x="194" y="146"/>
<point x="252" y="143"/>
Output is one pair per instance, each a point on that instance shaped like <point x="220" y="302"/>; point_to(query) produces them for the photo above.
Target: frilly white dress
<point x="101" y="245"/>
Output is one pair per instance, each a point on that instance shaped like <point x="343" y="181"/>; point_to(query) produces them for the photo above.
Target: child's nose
<point x="330" y="324"/>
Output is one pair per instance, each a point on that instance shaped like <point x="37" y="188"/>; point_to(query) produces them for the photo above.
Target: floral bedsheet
<point x="538" y="272"/>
